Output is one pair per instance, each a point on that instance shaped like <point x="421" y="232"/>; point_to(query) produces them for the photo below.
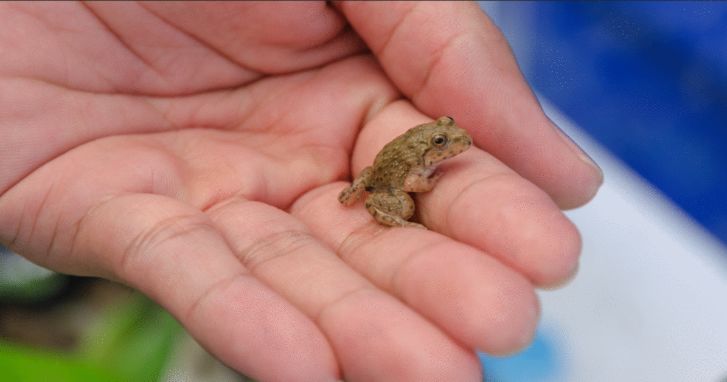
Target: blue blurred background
<point x="648" y="80"/>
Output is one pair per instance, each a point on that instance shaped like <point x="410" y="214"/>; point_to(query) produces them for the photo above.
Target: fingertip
<point x="548" y="244"/>
<point x="514" y="318"/>
<point x="509" y="218"/>
<point x="497" y="316"/>
<point x="584" y="175"/>
<point x="560" y="251"/>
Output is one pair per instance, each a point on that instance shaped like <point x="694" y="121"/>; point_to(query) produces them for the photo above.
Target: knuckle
<point x="162" y="233"/>
<point x="274" y="245"/>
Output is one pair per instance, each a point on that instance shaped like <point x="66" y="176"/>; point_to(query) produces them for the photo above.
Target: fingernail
<point x="582" y="155"/>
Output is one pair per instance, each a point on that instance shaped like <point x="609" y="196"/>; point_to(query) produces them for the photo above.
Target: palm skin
<point x="194" y="151"/>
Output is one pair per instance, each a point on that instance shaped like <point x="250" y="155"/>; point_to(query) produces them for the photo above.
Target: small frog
<point x="406" y="164"/>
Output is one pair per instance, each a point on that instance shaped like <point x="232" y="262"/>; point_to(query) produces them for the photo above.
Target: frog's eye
<point x="439" y="140"/>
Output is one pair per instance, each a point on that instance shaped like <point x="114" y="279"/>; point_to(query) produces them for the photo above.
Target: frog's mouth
<point x="458" y="145"/>
<point x="433" y="156"/>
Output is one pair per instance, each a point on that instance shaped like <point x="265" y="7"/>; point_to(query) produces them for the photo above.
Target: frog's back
<point x="393" y="163"/>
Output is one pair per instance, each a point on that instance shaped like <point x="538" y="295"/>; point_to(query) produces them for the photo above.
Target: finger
<point x="374" y="336"/>
<point x="171" y="48"/>
<point x="476" y="299"/>
<point x="269" y="38"/>
<point x="174" y="254"/>
<point x="481" y="202"/>
<point x="450" y="59"/>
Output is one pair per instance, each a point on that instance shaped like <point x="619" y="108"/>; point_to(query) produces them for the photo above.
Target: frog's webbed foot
<point x="392" y="220"/>
<point x="415" y="225"/>
<point x="352" y="193"/>
<point x="392" y="208"/>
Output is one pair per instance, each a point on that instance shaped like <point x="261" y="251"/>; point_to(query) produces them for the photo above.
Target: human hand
<point x="194" y="151"/>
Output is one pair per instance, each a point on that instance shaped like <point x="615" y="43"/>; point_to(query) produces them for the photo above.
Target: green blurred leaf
<point x="135" y="340"/>
<point x="22" y="364"/>
<point x="23" y="281"/>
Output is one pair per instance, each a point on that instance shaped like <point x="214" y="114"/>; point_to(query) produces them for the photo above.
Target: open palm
<point x="194" y="151"/>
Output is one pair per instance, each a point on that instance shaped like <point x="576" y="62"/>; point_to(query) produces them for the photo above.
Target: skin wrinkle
<point x="164" y="114"/>
<point x="384" y="108"/>
<point x="395" y="279"/>
<point x="161" y="232"/>
<point x="370" y="111"/>
<point x="319" y="316"/>
<point x="244" y="93"/>
<point x="264" y="185"/>
<point x="42" y="22"/>
<point x="304" y="83"/>
<point x="79" y="225"/>
<point x="273" y="246"/>
<point x="434" y="63"/>
<point x="394" y="30"/>
<point x="219" y="200"/>
<point x="358" y="237"/>
<point x="245" y="104"/>
<point x="103" y="200"/>
<point x="366" y="110"/>
<point x="323" y="11"/>
<point x="449" y="219"/>
<point x="344" y="32"/>
<point x="338" y="152"/>
<point x="39" y="211"/>
<point x="203" y="43"/>
<point x="52" y="243"/>
<point x="248" y="66"/>
<point x="14" y="238"/>
<point x="89" y="138"/>
<point x="435" y="56"/>
<point x="120" y="39"/>
<point x="191" y="311"/>
<point x="222" y="204"/>
<point x="108" y="82"/>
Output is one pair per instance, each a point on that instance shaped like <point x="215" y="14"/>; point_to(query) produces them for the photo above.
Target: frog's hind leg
<point x="352" y="193"/>
<point x="392" y="208"/>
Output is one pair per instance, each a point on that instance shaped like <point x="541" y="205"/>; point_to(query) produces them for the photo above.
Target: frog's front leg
<point x="392" y="208"/>
<point x="421" y="181"/>
<point x="352" y="193"/>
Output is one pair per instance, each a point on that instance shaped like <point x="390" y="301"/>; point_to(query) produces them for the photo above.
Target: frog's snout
<point x="464" y="140"/>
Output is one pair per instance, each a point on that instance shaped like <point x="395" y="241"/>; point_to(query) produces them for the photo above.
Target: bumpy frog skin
<point x="406" y="164"/>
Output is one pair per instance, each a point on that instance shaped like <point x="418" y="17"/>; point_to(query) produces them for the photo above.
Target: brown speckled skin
<point x="404" y="165"/>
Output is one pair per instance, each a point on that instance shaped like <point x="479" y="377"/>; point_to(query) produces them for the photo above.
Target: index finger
<point x="450" y="59"/>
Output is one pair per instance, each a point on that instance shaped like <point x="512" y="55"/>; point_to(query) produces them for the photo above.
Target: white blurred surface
<point x="650" y="300"/>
